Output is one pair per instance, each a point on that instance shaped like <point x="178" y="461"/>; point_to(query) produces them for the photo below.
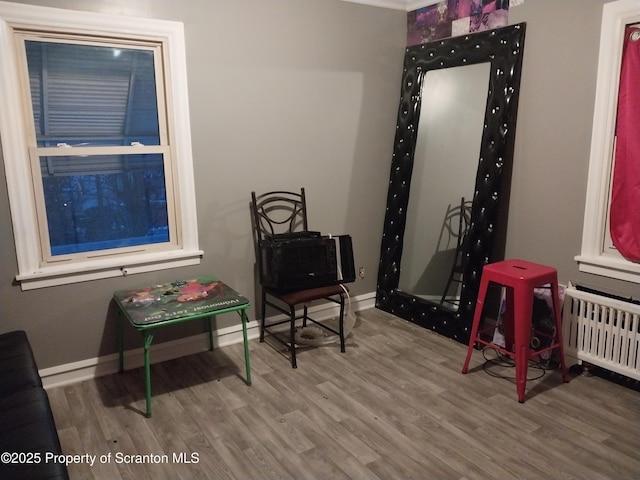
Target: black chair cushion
<point x="304" y="296"/>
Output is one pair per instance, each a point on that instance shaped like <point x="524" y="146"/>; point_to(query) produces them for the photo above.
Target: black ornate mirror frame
<point x="502" y="47"/>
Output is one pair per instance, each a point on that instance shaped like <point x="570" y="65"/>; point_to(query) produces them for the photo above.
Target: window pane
<point x="101" y="202"/>
<point x="92" y="95"/>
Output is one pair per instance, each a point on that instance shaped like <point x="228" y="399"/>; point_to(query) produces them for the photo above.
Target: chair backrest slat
<point x="278" y="212"/>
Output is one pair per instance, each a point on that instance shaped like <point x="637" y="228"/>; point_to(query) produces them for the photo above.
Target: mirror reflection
<point x="444" y="173"/>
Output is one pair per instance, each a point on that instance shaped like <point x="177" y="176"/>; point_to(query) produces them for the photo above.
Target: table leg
<point x="243" y="316"/>
<point x="148" y="338"/>
<point x="120" y="343"/>
<point x="210" y="334"/>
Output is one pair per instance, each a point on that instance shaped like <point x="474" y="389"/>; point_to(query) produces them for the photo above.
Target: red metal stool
<point x="520" y="279"/>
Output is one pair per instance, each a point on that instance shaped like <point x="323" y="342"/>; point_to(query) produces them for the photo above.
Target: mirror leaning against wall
<point x="450" y="177"/>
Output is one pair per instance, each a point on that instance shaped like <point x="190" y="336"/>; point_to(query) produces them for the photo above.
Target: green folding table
<point x="150" y="308"/>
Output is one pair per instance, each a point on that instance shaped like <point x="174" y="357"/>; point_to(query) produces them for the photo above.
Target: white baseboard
<point x="108" y="364"/>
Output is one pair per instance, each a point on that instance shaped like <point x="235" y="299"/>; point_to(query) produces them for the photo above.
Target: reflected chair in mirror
<point x="277" y="216"/>
<point x="460" y="216"/>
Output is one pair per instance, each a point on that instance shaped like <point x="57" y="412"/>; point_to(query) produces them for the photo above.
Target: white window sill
<point x="611" y="267"/>
<point x="107" y="268"/>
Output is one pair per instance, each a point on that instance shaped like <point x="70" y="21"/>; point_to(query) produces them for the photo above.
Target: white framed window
<point x="598" y="255"/>
<point x="95" y="132"/>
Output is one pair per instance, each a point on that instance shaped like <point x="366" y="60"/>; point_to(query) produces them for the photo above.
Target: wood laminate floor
<point x="394" y="406"/>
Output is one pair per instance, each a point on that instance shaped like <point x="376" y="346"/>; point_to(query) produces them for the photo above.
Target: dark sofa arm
<point x="27" y="428"/>
<point x="18" y="369"/>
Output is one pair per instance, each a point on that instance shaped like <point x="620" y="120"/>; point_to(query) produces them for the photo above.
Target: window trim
<point x="596" y="256"/>
<point x="13" y="135"/>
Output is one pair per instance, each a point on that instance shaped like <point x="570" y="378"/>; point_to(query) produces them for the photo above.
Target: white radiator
<point x="602" y="331"/>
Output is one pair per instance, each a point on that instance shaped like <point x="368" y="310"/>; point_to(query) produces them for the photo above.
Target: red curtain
<point x="625" y="193"/>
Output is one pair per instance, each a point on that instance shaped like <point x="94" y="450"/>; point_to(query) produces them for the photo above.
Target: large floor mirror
<point x="450" y="177"/>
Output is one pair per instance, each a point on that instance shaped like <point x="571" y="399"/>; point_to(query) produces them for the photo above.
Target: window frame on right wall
<point x="598" y="256"/>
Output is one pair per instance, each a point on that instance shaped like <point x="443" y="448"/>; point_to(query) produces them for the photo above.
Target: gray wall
<point x="290" y="93"/>
<point x="283" y="94"/>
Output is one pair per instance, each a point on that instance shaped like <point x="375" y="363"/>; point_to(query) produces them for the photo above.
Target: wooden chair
<point x="277" y="214"/>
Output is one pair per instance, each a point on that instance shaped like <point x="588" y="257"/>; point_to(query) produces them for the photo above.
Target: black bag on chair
<point x="306" y="260"/>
